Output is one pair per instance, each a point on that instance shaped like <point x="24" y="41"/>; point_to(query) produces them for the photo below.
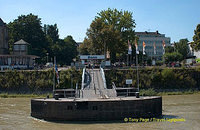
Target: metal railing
<point x="114" y="88"/>
<point x="83" y="79"/>
<point x="103" y="77"/>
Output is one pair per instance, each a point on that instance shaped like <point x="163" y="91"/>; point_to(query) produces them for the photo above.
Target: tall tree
<point x="182" y="47"/>
<point x="110" y="31"/>
<point x="172" y="57"/>
<point x="196" y="38"/>
<point x="83" y="48"/>
<point x="28" y="27"/>
<point x="65" y="50"/>
<point x="51" y="31"/>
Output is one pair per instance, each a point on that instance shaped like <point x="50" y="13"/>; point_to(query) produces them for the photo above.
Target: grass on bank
<point x="15" y="95"/>
<point x="152" y="92"/>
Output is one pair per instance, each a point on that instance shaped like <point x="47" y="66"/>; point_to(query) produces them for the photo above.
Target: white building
<point x="150" y="38"/>
<point x="193" y="52"/>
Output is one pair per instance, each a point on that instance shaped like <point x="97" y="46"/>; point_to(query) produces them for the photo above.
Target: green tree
<point x="110" y="31"/>
<point x="169" y="49"/>
<point x="196" y="38"/>
<point x="65" y="50"/>
<point x="51" y="32"/>
<point x="83" y="48"/>
<point x="182" y="47"/>
<point x="28" y="27"/>
<point x="72" y="47"/>
<point x="42" y="39"/>
<point x="172" y="57"/>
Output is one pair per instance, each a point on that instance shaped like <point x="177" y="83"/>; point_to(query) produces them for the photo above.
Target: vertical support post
<point x="71" y="84"/>
<point x="137" y="72"/>
<point x="142" y="59"/>
<point x="54" y="75"/>
<point x="152" y="54"/>
<point x="104" y="51"/>
<point x="127" y="59"/>
<point x="131" y="62"/>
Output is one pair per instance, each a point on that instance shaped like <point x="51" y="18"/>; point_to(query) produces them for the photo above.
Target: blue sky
<point x="176" y="19"/>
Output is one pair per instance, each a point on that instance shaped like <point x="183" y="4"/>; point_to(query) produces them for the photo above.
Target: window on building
<point x="16" y="47"/>
<point x="23" y="47"/>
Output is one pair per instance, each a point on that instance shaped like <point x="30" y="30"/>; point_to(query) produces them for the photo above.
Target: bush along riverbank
<point x="36" y="82"/>
<point x="156" y="78"/>
<point x="153" y="81"/>
<point x="143" y="92"/>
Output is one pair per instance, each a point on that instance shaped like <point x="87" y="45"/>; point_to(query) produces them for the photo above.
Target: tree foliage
<point x="169" y="49"/>
<point x="42" y="40"/>
<point x="172" y="57"/>
<point x="51" y="32"/>
<point x="28" y="27"/>
<point x="182" y="47"/>
<point x="110" y="31"/>
<point x="64" y="50"/>
<point x="196" y="38"/>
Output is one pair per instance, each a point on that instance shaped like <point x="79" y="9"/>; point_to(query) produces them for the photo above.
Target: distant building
<point x="20" y="47"/>
<point x="3" y="38"/>
<point x="19" y="59"/>
<point x="150" y="38"/>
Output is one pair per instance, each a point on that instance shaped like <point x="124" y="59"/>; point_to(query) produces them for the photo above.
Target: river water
<point x="15" y="115"/>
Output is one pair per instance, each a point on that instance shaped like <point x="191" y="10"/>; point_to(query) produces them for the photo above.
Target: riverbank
<point x="15" y="95"/>
<point x="152" y="92"/>
<point x="147" y="92"/>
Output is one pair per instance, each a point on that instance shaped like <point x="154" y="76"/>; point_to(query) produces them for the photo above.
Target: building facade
<point x="3" y="38"/>
<point x="151" y="38"/>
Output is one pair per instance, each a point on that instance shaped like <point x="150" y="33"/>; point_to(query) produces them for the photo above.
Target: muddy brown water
<point x="15" y="115"/>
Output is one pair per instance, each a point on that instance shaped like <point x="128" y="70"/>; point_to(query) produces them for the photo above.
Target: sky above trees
<point x="175" y="18"/>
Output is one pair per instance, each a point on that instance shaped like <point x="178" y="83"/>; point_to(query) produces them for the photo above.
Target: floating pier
<point x="94" y="102"/>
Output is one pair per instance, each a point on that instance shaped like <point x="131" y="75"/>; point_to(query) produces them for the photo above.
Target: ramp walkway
<point x="94" y="85"/>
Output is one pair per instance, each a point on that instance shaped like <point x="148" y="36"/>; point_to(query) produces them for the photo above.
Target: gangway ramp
<point x="96" y="86"/>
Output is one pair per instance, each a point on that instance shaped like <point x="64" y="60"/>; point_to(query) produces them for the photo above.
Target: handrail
<point x="83" y="78"/>
<point x="114" y="87"/>
<point x="103" y="77"/>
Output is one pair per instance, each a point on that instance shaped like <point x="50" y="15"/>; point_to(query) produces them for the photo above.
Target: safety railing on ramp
<point x="83" y="79"/>
<point x="103" y="77"/>
<point x="114" y="88"/>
